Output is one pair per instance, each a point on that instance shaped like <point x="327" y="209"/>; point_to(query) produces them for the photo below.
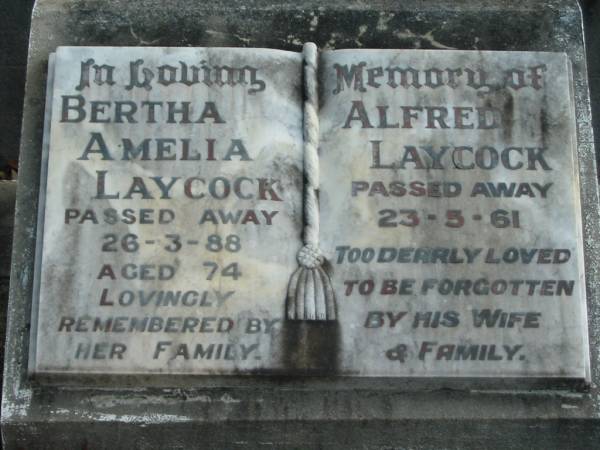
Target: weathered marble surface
<point x="414" y="266"/>
<point x="417" y="267"/>
<point x="140" y="235"/>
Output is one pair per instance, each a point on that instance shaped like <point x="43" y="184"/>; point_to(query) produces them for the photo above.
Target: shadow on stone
<point x="311" y="348"/>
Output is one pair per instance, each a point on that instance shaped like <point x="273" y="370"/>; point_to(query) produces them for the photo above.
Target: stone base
<point x="303" y="420"/>
<point x="292" y="413"/>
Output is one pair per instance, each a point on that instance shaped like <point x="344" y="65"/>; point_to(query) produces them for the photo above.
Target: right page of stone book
<point x="450" y="213"/>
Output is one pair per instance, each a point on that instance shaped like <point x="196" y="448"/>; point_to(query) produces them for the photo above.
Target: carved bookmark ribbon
<point x="310" y="295"/>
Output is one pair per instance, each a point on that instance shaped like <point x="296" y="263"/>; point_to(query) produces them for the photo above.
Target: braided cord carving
<point x="310" y="294"/>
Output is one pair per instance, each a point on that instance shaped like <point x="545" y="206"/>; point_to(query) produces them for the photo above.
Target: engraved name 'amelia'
<point x="141" y="76"/>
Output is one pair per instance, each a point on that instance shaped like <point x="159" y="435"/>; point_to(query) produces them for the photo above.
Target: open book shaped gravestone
<point x="370" y="213"/>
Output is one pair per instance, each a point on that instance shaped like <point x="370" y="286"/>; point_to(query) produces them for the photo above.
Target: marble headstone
<point x="450" y="215"/>
<point x="75" y="408"/>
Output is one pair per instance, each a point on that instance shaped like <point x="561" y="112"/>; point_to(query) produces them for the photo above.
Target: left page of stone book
<point x="173" y="210"/>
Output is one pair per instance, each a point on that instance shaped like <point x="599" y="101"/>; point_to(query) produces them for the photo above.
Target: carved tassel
<point x="310" y="294"/>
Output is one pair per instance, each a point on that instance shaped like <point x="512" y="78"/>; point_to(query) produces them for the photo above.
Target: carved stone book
<point x="369" y="213"/>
